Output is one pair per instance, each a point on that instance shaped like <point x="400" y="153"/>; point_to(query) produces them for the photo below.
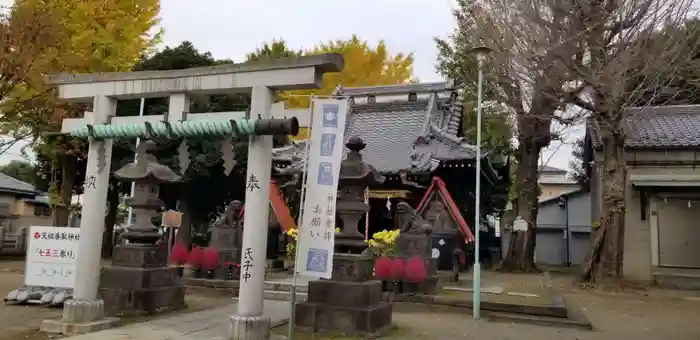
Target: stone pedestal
<point x="140" y="280"/>
<point x="351" y="302"/>
<point x="228" y="244"/>
<point x="410" y="245"/>
<point x="80" y="317"/>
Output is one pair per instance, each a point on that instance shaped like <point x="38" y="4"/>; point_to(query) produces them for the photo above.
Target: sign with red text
<point x="51" y="255"/>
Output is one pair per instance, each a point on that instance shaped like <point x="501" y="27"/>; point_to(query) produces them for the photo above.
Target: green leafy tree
<point x="21" y="170"/>
<point x="205" y="189"/>
<point x="273" y="50"/>
<point x="579" y="170"/>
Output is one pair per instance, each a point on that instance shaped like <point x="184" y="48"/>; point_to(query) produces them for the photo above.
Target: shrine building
<point x="413" y="133"/>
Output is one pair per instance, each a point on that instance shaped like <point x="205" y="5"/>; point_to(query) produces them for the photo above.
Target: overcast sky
<point x="232" y="28"/>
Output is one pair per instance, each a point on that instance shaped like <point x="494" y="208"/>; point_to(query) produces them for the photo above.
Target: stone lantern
<point x="139" y="279"/>
<point x="355" y="176"/>
<point x="351" y="301"/>
<point x="147" y="175"/>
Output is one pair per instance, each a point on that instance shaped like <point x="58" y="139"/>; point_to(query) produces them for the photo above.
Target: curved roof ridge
<point x="396" y="88"/>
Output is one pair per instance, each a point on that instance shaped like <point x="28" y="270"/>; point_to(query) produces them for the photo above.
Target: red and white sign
<point x="51" y="255"/>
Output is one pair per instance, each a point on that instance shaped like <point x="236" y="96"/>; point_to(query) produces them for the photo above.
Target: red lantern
<point x="397" y="269"/>
<point x="210" y="258"/>
<point x="178" y="255"/>
<point x="196" y="257"/>
<point x="382" y="268"/>
<point x="415" y="270"/>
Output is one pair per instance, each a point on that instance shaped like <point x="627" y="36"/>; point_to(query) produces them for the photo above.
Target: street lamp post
<point x="481" y="53"/>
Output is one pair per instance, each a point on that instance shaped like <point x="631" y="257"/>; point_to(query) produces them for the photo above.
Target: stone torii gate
<point x="86" y="311"/>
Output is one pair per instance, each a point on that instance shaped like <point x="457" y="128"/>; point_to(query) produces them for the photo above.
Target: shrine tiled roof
<point x="392" y="89"/>
<point x="389" y="130"/>
<point x="656" y="127"/>
<point x="412" y="134"/>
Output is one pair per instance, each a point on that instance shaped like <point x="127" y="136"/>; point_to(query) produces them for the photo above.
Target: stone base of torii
<point x="85" y="313"/>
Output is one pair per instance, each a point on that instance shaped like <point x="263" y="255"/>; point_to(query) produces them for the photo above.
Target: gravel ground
<point x="22" y="322"/>
<point x="642" y="314"/>
<point x="615" y="317"/>
<point x="20" y="318"/>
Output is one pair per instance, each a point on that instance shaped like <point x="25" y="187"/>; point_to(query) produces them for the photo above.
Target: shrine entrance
<point x="85" y="312"/>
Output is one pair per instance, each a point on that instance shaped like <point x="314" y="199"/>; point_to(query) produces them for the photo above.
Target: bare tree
<point x="523" y="75"/>
<point x="626" y="52"/>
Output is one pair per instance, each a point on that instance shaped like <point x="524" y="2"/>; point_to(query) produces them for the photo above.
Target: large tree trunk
<point x="110" y="220"/>
<point x="534" y="135"/>
<point x="521" y="249"/>
<point x="604" y="265"/>
<point x="61" y="213"/>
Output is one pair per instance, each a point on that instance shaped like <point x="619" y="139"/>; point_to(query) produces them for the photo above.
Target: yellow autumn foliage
<point x="365" y="65"/>
<point x="99" y="35"/>
<point x="89" y="36"/>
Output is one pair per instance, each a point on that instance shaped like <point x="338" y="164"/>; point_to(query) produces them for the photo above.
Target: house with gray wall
<point x="21" y="206"/>
<point x="563" y="229"/>
<point x="662" y="193"/>
<point x="554" y="182"/>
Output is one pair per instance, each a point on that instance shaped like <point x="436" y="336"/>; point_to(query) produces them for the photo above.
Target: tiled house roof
<point x="400" y="134"/>
<point x="656" y="127"/>
<point x="13" y="185"/>
<point x="547" y="168"/>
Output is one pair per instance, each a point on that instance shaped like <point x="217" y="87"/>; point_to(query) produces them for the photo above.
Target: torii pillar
<point x="85" y="313"/>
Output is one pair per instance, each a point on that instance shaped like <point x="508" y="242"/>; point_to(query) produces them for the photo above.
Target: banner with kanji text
<point x="316" y="234"/>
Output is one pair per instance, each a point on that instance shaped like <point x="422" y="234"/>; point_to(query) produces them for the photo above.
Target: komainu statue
<point x="231" y="217"/>
<point x="410" y="222"/>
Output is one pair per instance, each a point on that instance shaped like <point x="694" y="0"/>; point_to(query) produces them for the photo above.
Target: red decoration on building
<point x="437" y="186"/>
<point x="279" y="207"/>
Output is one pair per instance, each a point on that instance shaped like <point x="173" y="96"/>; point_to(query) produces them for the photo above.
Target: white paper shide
<point x="519" y="224"/>
<point x="316" y="236"/>
<point x="51" y="255"/>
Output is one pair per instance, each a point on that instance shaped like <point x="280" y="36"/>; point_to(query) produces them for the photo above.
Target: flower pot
<point x="196" y="273"/>
<point x="397" y="287"/>
<point x="386" y="286"/>
<point x="180" y="271"/>
<point x="411" y="288"/>
<point x="209" y="274"/>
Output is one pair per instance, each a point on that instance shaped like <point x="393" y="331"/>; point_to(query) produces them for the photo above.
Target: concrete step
<point x="277" y="295"/>
<point x="285" y="286"/>
<point x="539" y="320"/>
<point x="281" y="290"/>
<point x="678" y="281"/>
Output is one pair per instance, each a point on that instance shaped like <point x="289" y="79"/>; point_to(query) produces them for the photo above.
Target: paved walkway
<point x="210" y="324"/>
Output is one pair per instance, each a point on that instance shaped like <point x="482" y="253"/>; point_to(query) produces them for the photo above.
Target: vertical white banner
<point x="316" y="237"/>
